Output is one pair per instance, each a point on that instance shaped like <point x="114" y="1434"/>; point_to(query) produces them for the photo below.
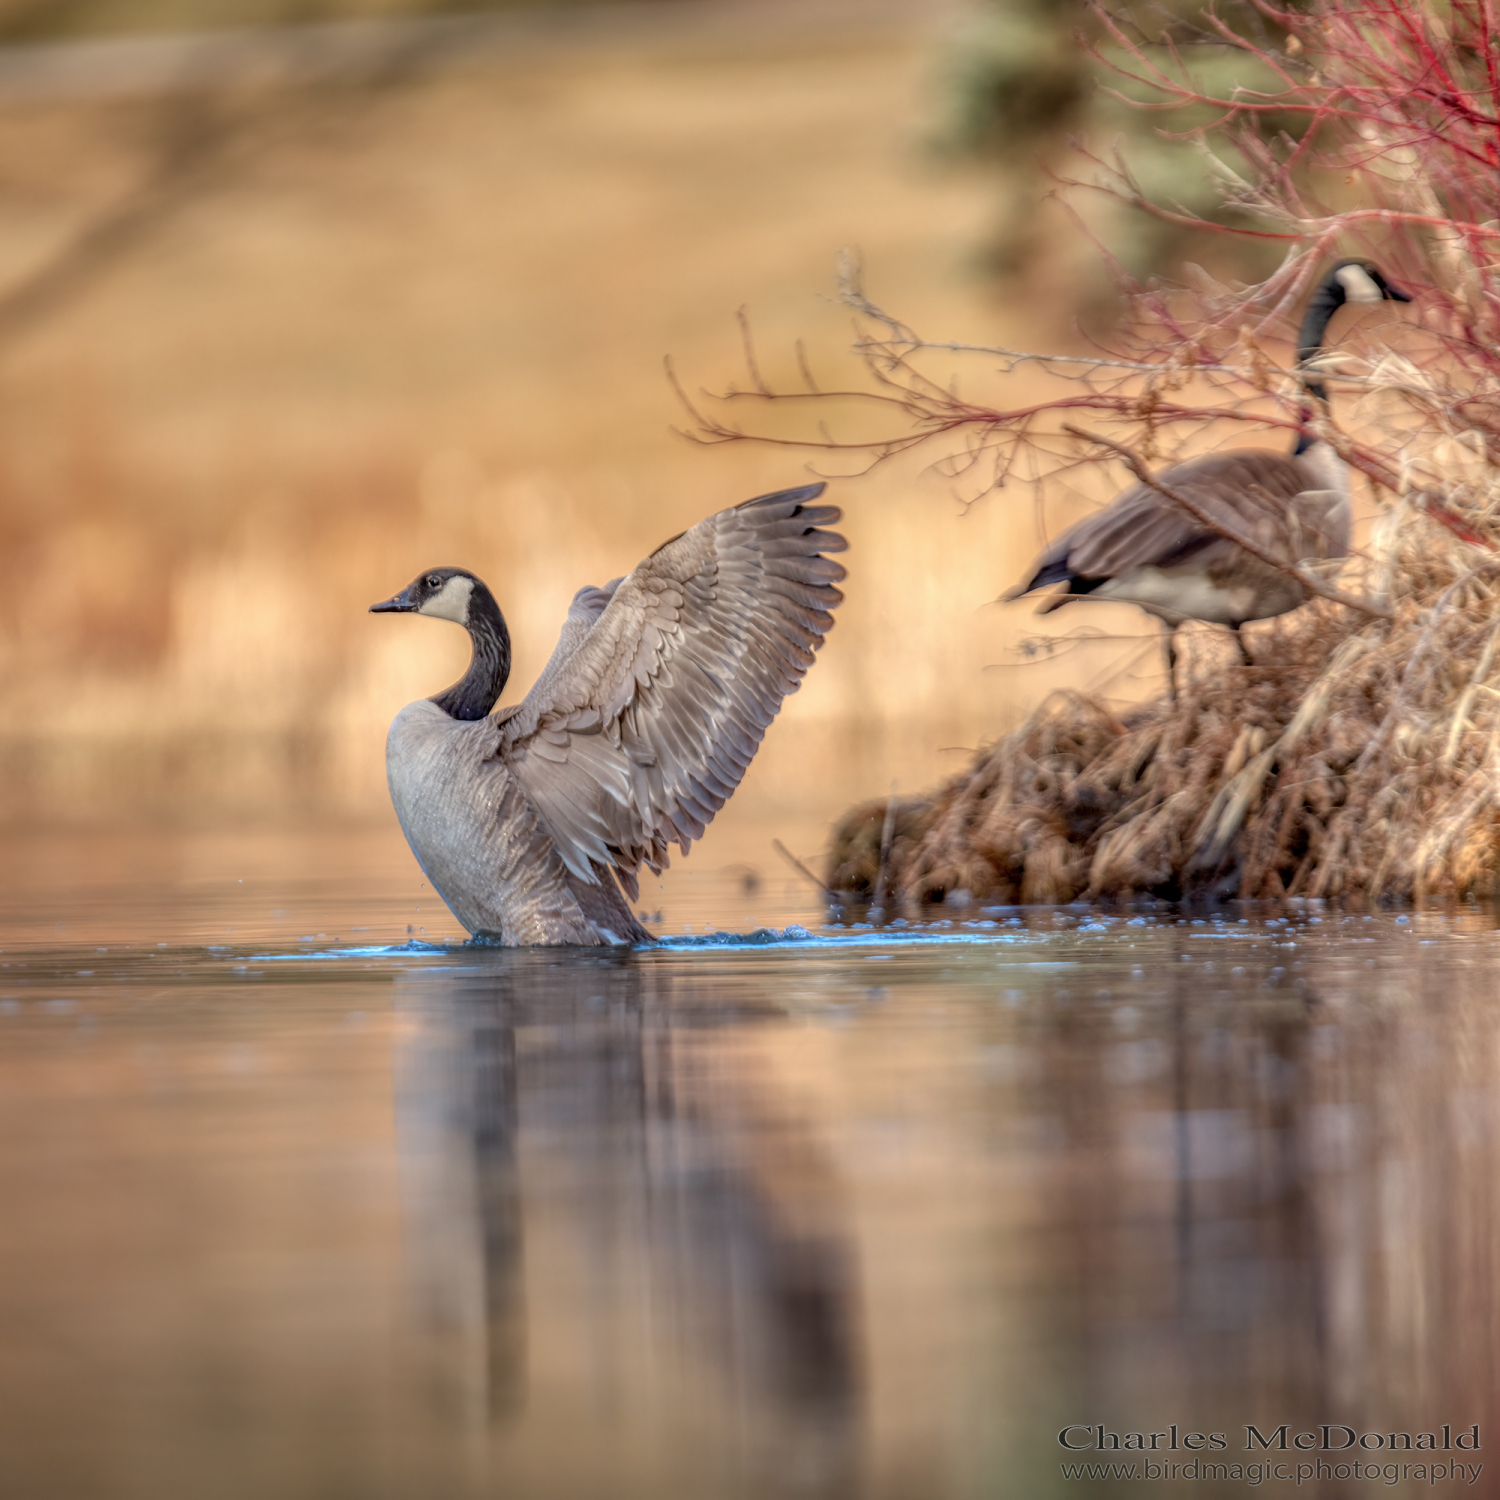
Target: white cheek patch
<point x="451" y="602"/>
<point x="1358" y="285"/>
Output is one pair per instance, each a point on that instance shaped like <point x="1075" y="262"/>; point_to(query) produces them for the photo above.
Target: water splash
<point x="794" y="936"/>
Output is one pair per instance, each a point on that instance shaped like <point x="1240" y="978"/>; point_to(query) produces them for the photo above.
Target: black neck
<point x="1326" y="301"/>
<point x="477" y="691"/>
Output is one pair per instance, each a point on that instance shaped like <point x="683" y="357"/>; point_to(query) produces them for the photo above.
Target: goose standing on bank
<point x="636" y="733"/>
<point x="1143" y="549"/>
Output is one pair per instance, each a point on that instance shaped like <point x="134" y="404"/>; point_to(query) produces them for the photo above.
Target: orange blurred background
<point x="280" y="327"/>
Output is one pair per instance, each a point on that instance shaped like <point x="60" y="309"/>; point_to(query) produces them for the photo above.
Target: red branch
<point x="1371" y="129"/>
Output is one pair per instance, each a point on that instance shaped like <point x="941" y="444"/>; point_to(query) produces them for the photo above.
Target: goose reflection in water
<point x="1245" y="1227"/>
<point x="456" y="1126"/>
<point x="610" y="1202"/>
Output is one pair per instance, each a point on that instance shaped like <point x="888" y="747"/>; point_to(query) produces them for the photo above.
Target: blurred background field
<point x="267" y="349"/>
<point x="50" y="19"/>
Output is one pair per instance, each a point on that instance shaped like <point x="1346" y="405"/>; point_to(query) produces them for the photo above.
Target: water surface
<point x="300" y="1203"/>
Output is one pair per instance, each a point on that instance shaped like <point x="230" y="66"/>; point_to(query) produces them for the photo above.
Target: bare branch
<point x="752" y="364"/>
<point x="1313" y="584"/>
<point x="802" y="870"/>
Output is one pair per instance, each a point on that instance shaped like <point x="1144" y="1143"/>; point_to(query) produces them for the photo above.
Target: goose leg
<point x="1239" y="641"/>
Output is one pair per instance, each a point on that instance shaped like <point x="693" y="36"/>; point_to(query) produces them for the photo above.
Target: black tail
<point x="1054" y="570"/>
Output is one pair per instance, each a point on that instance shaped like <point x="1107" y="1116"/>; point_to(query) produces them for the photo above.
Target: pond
<point x="299" y="1203"/>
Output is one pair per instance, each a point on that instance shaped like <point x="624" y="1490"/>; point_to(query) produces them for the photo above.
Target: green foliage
<point x="1023" y="80"/>
<point x="1013" y="72"/>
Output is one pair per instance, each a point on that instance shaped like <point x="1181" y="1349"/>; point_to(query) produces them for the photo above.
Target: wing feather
<point x="1249" y="489"/>
<point x="637" y="734"/>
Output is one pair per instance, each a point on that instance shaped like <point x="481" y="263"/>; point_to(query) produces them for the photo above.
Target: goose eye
<point x="434" y="581"/>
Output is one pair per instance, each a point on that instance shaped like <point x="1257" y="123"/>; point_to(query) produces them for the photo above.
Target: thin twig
<point x="752" y="363"/>
<point x="802" y="870"/>
<point x="887" y="830"/>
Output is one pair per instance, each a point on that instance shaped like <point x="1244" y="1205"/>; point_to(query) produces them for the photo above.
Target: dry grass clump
<point x="874" y="838"/>
<point x="1359" y="758"/>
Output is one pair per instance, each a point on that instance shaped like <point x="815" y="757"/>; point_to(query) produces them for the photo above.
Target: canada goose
<point x="1142" y="549"/>
<point x="635" y="734"/>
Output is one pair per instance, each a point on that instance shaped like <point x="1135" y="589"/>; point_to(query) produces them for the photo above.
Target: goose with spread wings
<point x="531" y="821"/>
<point x="1144" y="549"/>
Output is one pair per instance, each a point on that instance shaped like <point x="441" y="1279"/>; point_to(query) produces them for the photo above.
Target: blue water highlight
<point x="713" y="942"/>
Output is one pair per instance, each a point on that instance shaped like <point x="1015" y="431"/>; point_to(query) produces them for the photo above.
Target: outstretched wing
<point x="637" y="736"/>
<point x="583" y="613"/>
<point x="1248" y="490"/>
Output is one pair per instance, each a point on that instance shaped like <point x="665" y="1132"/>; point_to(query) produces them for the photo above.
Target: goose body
<point x="532" y="822"/>
<point x="1143" y="549"/>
